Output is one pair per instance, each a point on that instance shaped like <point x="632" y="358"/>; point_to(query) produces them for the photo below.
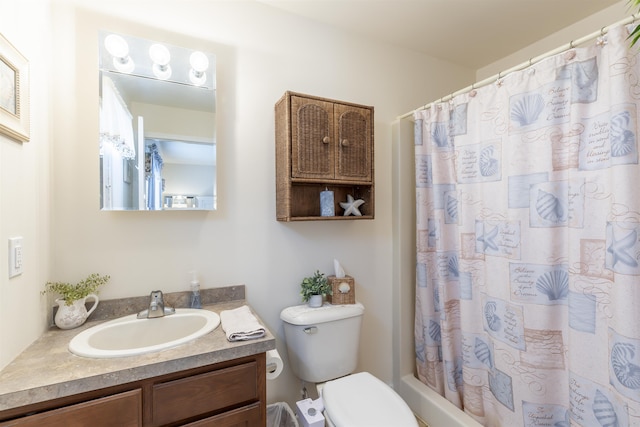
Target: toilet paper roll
<point x="274" y="364"/>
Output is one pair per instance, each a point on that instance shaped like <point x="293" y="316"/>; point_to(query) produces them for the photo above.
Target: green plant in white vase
<point x="314" y="288"/>
<point x="71" y="304"/>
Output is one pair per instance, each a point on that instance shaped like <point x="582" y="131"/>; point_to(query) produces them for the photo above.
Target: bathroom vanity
<point x="205" y="382"/>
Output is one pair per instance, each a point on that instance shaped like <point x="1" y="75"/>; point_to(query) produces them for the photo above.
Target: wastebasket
<point x="279" y="414"/>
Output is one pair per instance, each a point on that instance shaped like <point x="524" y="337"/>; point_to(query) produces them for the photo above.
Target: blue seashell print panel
<point x="549" y="204"/>
<point x="417" y="131"/>
<point x="421" y="275"/>
<point x="544" y="414"/>
<point x="582" y="312"/>
<point x="527" y="109"/>
<point x="424" y="171"/>
<point x="622" y="135"/>
<point x="584" y="80"/>
<point x="595" y="405"/>
<point x="499" y="238"/>
<point x="623" y="248"/>
<point x="466" y="285"/>
<point x="501" y="387"/>
<point x="504" y="322"/>
<point x="458" y="120"/>
<point x="604" y="411"/>
<point x="539" y="284"/>
<point x="480" y="162"/>
<point x="609" y="139"/>
<point x="624" y="365"/>
<point x="440" y="135"/>
<point x="433" y="232"/>
<point x="519" y="188"/>
<point x="454" y="374"/>
<point x="451" y="208"/>
<point x="483" y="352"/>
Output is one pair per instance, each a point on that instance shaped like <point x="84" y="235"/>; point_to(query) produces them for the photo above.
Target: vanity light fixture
<point x="118" y="47"/>
<point x="199" y="64"/>
<point x="160" y="56"/>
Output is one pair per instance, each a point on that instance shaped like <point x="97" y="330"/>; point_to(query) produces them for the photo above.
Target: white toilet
<point x="322" y="344"/>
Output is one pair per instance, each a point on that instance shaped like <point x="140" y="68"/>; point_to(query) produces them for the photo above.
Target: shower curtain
<point x="154" y="178"/>
<point x="528" y="243"/>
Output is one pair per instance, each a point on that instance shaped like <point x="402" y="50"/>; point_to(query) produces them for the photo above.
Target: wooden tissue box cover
<point x="340" y="297"/>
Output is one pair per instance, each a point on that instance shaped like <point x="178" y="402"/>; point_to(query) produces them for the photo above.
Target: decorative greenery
<point x="315" y="285"/>
<point x="70" y="293"/>
<point x="635" y="34"/>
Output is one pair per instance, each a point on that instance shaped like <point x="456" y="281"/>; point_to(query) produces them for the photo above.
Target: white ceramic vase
<point x="315" y="301"/>
<point x="74" y="315"/>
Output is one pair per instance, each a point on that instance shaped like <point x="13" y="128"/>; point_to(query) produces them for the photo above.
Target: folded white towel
<point x="240" y="324"/>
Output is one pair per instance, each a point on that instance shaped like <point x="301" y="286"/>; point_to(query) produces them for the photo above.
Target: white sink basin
<point x="129" y="336"/>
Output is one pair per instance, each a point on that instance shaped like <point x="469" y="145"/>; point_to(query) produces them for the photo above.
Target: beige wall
<point x="25" y="175"/>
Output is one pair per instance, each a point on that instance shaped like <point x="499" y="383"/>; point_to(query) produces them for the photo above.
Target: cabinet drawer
<point x="248" y="416"/>
<point x="122" y="410"/>
<point x="201" y="394"/>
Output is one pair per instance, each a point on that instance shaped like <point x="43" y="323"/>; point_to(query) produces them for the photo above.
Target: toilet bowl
<point x="322" y="344"/>
<point x="362" y="400"/>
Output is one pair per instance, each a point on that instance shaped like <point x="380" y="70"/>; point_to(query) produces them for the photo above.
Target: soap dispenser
<point x="195" y="291"/>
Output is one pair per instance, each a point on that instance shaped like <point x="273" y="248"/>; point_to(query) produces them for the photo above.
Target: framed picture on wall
<point x="14" y="92"/>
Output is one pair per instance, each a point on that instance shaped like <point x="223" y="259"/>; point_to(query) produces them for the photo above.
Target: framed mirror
<point x="157" y="125"/>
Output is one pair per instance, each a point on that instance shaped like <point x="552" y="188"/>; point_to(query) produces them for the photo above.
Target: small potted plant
<point x="314" y="288"/>
<point x="71" y="304"/>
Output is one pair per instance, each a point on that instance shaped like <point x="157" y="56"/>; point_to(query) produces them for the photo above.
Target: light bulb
<point x="160" y="56"/>
<point x="199" y="64"/>
<point x="119" y="49"/>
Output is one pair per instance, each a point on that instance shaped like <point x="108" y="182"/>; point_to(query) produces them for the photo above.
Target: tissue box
<point x="338" y="297"/>
<point x="313" y="419"/>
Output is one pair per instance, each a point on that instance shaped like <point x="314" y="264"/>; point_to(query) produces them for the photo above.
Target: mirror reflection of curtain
<point x="154" y="178"/>
<point x="116" y="143"/>
<point x="116" y="125"/>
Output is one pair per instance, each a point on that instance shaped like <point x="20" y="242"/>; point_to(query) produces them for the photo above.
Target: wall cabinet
<point x="322" y="144"/>
<point x="224" y="394"/>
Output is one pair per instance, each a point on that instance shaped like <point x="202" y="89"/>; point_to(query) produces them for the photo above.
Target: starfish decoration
<point x="351" y="206"/>
<point x="619" y="249"/>
<point x="488" y="239"/>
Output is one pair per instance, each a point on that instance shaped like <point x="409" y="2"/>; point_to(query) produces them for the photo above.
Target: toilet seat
<point x="362" y="400"/>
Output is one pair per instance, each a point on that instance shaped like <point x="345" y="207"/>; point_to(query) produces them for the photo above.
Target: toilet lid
<point x="363" y="400"/>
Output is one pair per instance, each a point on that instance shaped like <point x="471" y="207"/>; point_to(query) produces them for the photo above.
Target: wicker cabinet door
<point x="312" y="140"/>
<point x="353" y="146"/>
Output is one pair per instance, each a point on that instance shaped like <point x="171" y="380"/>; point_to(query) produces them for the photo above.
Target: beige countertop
<point x="48" y="370"/>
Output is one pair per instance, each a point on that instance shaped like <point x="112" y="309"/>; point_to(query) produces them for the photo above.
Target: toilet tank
<point x="322" y="343"/>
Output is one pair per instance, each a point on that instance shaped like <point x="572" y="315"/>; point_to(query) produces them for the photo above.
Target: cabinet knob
<point x="325" y="140"/>
<point x="344" y="143"/>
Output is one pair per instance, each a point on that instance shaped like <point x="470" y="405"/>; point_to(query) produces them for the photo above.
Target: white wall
<point x="261" y="53"/>
<point x="24" y="184"/>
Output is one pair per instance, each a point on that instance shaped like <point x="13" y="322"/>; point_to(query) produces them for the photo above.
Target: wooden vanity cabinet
<point x="322" y="144"/>
<point x="227" y="394"/>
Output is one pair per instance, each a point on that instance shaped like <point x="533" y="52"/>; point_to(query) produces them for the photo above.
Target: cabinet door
<point x="312" y="138"/>
<point x="353" y="143"/>
<point x="122" y="410"/>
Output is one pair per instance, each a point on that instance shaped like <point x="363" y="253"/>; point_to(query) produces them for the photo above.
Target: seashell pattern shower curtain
<point x="528" y="243"/>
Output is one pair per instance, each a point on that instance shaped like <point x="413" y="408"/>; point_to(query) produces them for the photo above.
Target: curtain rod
<point x="572" y="44"/>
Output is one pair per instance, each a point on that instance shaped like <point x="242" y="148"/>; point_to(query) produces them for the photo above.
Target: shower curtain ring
<point x="571" y="46"/>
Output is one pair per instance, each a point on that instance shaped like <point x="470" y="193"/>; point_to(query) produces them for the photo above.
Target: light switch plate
<point x="15" y="256"/>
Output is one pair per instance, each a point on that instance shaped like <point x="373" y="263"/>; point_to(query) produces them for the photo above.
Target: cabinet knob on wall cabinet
<point x="325" y="140"/>
<point x="344" y="143"/>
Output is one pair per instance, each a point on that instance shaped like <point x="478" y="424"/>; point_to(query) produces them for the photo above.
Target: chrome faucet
<point x="156" y="308"/>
